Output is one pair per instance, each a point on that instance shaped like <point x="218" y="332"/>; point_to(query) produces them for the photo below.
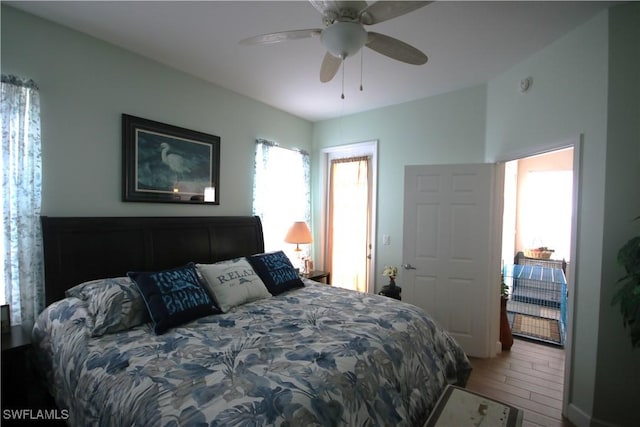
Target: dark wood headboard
<point x="77" y="249"/>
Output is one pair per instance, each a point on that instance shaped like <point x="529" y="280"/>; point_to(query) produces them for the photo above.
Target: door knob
<point x="408" y="267"/>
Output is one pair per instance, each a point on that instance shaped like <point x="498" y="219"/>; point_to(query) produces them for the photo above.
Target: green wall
<point x="86" y="84"/>
<point x="617" y="387"/>
<point x="447" y="128"/>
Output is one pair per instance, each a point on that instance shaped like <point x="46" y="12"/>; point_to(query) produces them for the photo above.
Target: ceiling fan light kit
<point x="344" y="33"/>
<point x="343" y="39"/>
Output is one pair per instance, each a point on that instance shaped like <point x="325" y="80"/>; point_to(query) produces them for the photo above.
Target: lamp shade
<point x="298" y="233"/>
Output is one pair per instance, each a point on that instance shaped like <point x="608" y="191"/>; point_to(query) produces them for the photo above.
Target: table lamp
<point x="299" y="233"/>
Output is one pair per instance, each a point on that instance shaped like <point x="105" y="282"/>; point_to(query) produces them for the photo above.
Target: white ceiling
<point x="468" y="43"/>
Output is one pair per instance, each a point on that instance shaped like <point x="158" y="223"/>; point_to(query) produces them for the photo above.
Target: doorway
<point x="350" y="178"/>
<point x="494" y="242"/>
<point x="536" y="244"/>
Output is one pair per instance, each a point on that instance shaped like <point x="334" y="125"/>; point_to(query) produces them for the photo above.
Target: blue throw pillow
<point x="174" y="296"/>
<point x="276" y="271"/>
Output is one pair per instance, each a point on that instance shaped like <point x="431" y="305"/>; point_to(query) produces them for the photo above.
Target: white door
<point x="451" y="269"/>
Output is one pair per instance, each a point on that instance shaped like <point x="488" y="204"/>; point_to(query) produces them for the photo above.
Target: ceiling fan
<point x="344" y="34"/>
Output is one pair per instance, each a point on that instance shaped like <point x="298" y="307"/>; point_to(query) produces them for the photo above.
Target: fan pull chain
<point x="361" y="67"/>
<point x="342" y="96"/>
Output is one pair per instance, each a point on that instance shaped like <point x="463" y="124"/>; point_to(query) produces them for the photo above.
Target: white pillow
<point x="233" y="283"/>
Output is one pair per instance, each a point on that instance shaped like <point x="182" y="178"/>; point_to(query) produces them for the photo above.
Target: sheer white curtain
<point x="349" y="203"/>
<point x="21" y="194"/>
<point x="281" y="192"/>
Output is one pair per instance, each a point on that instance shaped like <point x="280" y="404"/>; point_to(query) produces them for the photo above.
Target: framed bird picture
<point x="168" y="164"/>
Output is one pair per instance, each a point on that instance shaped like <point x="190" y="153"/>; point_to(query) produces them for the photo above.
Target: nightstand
<point x="318" y="276"/>
<point x="391" y="291"/>
<point x="21" y="386"/>
<point x="16" y="367"/>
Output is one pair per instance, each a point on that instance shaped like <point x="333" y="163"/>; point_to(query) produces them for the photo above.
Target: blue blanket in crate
<point x="537" y="273"/>
<point x="535" y="284"/>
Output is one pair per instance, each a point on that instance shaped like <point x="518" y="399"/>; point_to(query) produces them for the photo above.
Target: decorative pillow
<point x="174" y="296"/>
<point x="115" y="304"/>
<point x="276" y="271"/>
<point x="233" y="282"/>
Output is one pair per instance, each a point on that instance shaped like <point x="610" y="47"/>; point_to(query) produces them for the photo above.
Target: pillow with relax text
<point x="276" y="271"/>
<point x="174" y="296"/>
<point x="233" y="283"/>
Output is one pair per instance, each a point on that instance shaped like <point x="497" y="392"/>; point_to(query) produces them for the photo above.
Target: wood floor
<point x="530" y="376"/>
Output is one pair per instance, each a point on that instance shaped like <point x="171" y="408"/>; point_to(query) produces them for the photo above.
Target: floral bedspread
<point x="314" y="356"/>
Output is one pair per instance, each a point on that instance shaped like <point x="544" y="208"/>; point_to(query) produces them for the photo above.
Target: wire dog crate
<point x="537" y="299"/>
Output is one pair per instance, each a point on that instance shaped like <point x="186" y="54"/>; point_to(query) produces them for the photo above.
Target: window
<point x="281" y="193"/>
<point x="547" y="210"/>
<point x="20" y="198"/>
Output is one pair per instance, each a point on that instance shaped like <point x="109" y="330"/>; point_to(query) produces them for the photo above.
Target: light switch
<point x="386" y="239"/>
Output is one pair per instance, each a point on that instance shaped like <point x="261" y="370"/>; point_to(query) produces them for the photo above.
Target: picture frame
<point x="163" y="163"/>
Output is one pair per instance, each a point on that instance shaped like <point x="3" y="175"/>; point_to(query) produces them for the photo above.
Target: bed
<point x="308" y="355"/>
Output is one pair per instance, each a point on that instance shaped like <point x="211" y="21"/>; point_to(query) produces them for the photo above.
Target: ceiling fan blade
<point x="329" y="68"/>
<point x="324" y="6"/>
<point x="281" y="36"/>
<point x="394" y="48"/>
<point x="384" y="10"/>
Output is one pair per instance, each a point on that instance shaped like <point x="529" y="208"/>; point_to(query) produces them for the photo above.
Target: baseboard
<point x="582" y="419"/>
<point x="599" y="423"/>
<point x="577" y="416"/>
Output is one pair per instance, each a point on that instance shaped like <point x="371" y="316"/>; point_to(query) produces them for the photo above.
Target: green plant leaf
<point x="628" y="296"/>
<point x="629" y="256"/>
